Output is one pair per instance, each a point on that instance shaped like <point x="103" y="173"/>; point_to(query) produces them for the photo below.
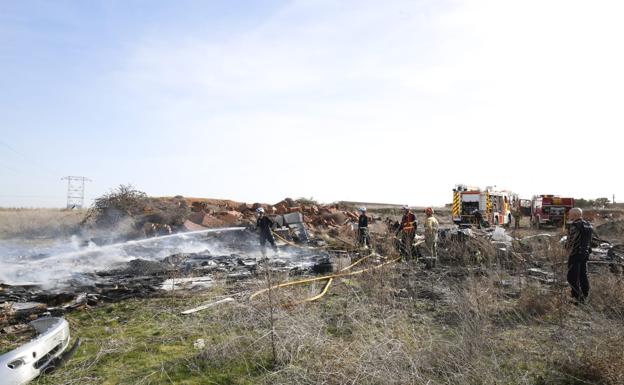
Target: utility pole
<point x="75" y="191"/>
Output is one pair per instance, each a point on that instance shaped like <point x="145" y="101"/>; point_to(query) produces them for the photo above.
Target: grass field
<point x="403" y="325"/>
<point x="39" y="223"/>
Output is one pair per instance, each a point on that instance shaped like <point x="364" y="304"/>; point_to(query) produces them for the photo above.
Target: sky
<point x="378" y="101"/>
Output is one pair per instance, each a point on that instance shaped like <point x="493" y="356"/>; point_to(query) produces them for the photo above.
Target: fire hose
<point x="343" y="273"/>
<point x="286" y="241"/>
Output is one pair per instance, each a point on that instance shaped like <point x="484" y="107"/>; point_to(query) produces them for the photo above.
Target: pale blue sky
<point x="392" y="101"/>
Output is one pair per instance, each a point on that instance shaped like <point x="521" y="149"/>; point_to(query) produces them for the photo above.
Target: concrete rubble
<point x="298" y="216"/>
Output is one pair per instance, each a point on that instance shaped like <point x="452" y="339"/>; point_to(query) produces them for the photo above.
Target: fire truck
<point x="550" y="210"/>
<point x="494" y="205"/>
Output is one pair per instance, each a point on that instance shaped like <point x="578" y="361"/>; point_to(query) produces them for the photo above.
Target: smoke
<point x="73" y="260"/>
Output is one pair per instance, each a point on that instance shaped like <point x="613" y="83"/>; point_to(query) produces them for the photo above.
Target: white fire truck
<point x="494" y="205"/>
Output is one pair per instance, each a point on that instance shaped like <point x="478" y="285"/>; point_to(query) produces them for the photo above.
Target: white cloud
<point x="394" y="101"/>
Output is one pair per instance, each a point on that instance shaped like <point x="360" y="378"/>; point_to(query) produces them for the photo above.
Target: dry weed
<point x="31" y="223"/>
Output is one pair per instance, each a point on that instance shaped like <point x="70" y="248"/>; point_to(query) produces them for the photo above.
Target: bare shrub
<point x="128" y="209"/>
<point x="112" y="207"/>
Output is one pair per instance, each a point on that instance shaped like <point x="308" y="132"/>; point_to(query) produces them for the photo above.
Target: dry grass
<point x="607" y="296"/>
<point x="45" y="223"/>
<point x="536" y="301"/>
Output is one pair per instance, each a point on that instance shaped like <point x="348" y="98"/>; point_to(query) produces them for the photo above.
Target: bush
<point x="111" y="208"/>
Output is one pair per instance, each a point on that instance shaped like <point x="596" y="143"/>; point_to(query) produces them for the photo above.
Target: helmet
<point x="405" y="207"/>
<point x="260" y="210"/>
<point x="429" y="211"/>
<point x="362" y="209"/>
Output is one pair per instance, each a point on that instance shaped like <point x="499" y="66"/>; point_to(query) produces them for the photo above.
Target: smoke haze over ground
<point x="63" y="261"/>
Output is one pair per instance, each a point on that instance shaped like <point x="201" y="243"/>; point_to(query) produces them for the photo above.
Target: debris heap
<point x="210" y="213"/>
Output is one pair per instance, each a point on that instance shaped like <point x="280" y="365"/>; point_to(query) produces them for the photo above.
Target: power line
<point x="30" y="160"/>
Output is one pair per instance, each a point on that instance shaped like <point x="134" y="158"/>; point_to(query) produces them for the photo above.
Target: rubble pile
<point x="465" y="247"/>
<point x="210" y="213"/>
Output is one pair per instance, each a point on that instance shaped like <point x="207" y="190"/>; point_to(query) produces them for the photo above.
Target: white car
<point x="25" y="363"/>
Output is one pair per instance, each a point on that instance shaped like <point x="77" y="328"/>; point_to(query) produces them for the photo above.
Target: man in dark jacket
<point x="578" y="245"/>
<point x="478" y="217"/>
<point x="264" y="225"/>
<point x="363" y="235"/>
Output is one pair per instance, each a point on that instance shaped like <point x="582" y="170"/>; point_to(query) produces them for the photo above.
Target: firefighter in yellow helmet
<point x="431" y="233"/>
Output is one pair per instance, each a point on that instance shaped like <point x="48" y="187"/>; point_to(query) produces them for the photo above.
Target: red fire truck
<point x="549" y="210"/>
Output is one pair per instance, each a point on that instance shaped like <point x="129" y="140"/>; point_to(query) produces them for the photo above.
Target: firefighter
<point x="578" y="245"/>
<point x="363" y="236"/>
<point x="264" y="226"/>
<point x="407" y="232"/>
<point x="517" y="214"/>
<point x="478" y="217"/>
<point x="431" y="234"/>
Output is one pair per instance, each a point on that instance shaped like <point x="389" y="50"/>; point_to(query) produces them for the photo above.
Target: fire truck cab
<point x="494" y="205"/>
<point x="549" y="210"/>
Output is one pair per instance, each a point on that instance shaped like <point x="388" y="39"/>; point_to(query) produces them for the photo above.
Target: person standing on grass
<point x="517" y="214"/>
<point x="578" y="246"/>
<point x="264" y="225"/>
<point x="431" y="233"/>
<point x="407" y="231"/>
<point x="363" y="235"/>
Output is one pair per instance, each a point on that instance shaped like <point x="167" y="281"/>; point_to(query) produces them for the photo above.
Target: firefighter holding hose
<point x="264" y="225"/>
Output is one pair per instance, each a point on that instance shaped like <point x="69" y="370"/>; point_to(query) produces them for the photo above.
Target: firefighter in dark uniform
<point x="578" y="245"/>
<point x="478" y="217"/>
<point x="363" y="235"/>
<point x="407" y="232"/>
<point x="264" y="225"/>
<point x="517" y="214"/>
